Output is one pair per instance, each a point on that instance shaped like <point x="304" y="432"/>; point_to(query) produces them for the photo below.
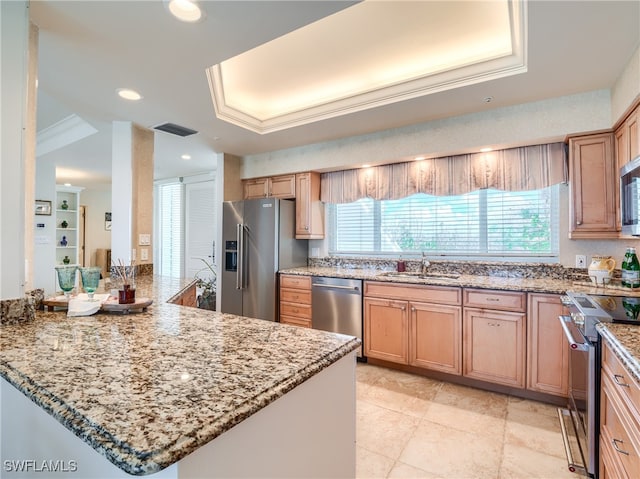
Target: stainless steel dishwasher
<point x="337" y="306"/>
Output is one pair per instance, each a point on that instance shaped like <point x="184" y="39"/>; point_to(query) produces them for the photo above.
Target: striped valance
<point x="513" y="169"/>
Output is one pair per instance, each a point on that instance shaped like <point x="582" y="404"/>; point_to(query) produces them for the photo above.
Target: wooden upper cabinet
<point x="277" y="187"/>
<point x="627" y="139"/>
<point x="309" y="208"/>
<point x="283" y="186"/>
<point x="593" y="179"/>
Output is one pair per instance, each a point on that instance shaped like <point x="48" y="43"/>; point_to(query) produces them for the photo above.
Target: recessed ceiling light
<point x="129" y="94"/>
<point x="185" y="10"/>
<point x="186" y="157"/>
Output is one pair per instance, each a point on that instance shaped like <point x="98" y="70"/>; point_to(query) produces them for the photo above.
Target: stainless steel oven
<point x="581" y="418"/>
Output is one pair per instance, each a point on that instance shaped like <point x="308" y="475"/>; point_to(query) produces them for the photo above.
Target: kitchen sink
<point x="418" y="274"/>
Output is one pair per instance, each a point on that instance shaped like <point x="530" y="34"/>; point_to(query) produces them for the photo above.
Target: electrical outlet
<point x="581" y="261"/>
<point x="144" y="254"/>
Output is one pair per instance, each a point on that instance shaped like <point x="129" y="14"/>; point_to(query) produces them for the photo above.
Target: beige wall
<point x="142" y="191"/>
<point x="531" y="123"/>
<point x="96" y="203"/>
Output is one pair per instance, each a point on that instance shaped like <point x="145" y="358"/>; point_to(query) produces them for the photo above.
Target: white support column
<point x="121" y="191"/>
<point x="14" y="40"/>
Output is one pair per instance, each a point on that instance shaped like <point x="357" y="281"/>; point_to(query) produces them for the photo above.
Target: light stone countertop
<point x="537" y="285"/>
<point x="146" y="389"/>
<point x="624" y="340"/>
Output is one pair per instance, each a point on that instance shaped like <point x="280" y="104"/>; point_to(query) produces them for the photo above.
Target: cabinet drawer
<point x="295" y="296"/>
<point x="305" y="323"/>
<point x="491" y="299"/>
<point x="624" y="384"/>
<point x="295" y="282"/>
<point x="616" y="431"/>
<point x="412" y="292"/>
<point x="295" y="310"/>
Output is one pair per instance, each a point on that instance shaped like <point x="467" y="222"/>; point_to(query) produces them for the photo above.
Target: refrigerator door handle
<point x="240" y="267"/>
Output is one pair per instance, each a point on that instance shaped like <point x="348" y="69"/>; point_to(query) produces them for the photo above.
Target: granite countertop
<point x="146" y="389"/>
<point x="624" y="340"/>
<point x="534" y="285"/>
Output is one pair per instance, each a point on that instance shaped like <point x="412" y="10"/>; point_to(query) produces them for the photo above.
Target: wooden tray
<point x="110" y="305"/>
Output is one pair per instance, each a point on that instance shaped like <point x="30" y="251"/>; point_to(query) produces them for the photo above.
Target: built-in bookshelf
<point x="67" y="209"/>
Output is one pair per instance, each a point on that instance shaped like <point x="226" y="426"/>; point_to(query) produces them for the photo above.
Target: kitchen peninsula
<point x="176" y="392"/>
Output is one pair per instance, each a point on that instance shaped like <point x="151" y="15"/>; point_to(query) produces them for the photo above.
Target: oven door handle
<point x="573" y="344"/>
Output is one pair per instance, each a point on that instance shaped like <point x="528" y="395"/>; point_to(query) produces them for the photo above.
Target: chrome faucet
<point x="425" y="263"/>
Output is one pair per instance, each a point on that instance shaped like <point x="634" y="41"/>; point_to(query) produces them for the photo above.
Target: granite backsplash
<point x="462" y="267"/>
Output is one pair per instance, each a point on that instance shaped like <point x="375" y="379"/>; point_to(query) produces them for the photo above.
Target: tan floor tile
<point x="472" y="399"/>
<point x="523" y="463"/>
<point x="405" y="471"/>
<point x="538" y="432"/>
<point x="407" y="394"/>
<point x="451" y="453"/>
<point x="370" y="465"/>
<point x="382" y="430"/>
<point x="369" y="374"/>
<point x="525" y="407"/>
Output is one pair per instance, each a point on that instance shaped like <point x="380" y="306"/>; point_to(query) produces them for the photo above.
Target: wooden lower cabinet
<point x="494" y="346"/>
<point x="386" y="330"/>
<point x="547" y="352"/>
<point x="187" y="298"/>
<point x="436" y="337"/>
<point x="619" y="419"/>
<point x="295" y="300"/>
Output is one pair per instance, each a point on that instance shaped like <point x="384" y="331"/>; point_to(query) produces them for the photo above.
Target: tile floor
<point x="410" y="426"/>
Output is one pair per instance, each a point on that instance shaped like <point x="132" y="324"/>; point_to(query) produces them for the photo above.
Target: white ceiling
<point x="89" y="49"/>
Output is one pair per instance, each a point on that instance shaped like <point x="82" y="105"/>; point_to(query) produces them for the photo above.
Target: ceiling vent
<point x="175" y="129"/>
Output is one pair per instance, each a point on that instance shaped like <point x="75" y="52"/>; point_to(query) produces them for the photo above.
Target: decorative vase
<point x="66" y="260"/>
<point x="64" y="205"/>
<point x="601" y="269"/>
<point x="63" y="241"/>
<point x="64" y="224"/>
<point x="127" y="294"/>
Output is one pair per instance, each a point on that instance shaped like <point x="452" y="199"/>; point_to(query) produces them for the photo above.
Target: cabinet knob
<point x="578" y="222"/>
<point x="306" y="228"/>
<point x="413" y="309"/>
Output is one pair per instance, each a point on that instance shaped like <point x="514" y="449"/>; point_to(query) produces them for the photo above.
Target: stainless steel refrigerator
<point x="258" y="240"/>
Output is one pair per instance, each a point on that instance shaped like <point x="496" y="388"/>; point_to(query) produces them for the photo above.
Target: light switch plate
<point x="144" y="239"/>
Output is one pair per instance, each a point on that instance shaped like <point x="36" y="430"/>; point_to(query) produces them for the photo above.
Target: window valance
<point x="513" y="169"/>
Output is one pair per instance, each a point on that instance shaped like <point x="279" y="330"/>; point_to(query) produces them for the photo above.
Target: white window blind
<point x="484" y="222"/>
<point x="171" y="226"/>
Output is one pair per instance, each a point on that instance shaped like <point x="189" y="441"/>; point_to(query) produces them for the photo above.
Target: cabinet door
<point x="632" y="131"/>
<point x="309" y="208"/>
<point x="594" y="187"/>
<point x="547" y="352"/>
<point x="386" y="330"/>
<point x="256" y="188"/>
<point x="494" y="346"/>
<point x="283" y="186"/>
<point x="627" y="139"/>
<point x="436" y="337"/>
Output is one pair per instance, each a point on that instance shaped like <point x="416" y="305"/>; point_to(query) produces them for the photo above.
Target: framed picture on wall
<point x="107" y="221"/>
<point x="43" y="207"/>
